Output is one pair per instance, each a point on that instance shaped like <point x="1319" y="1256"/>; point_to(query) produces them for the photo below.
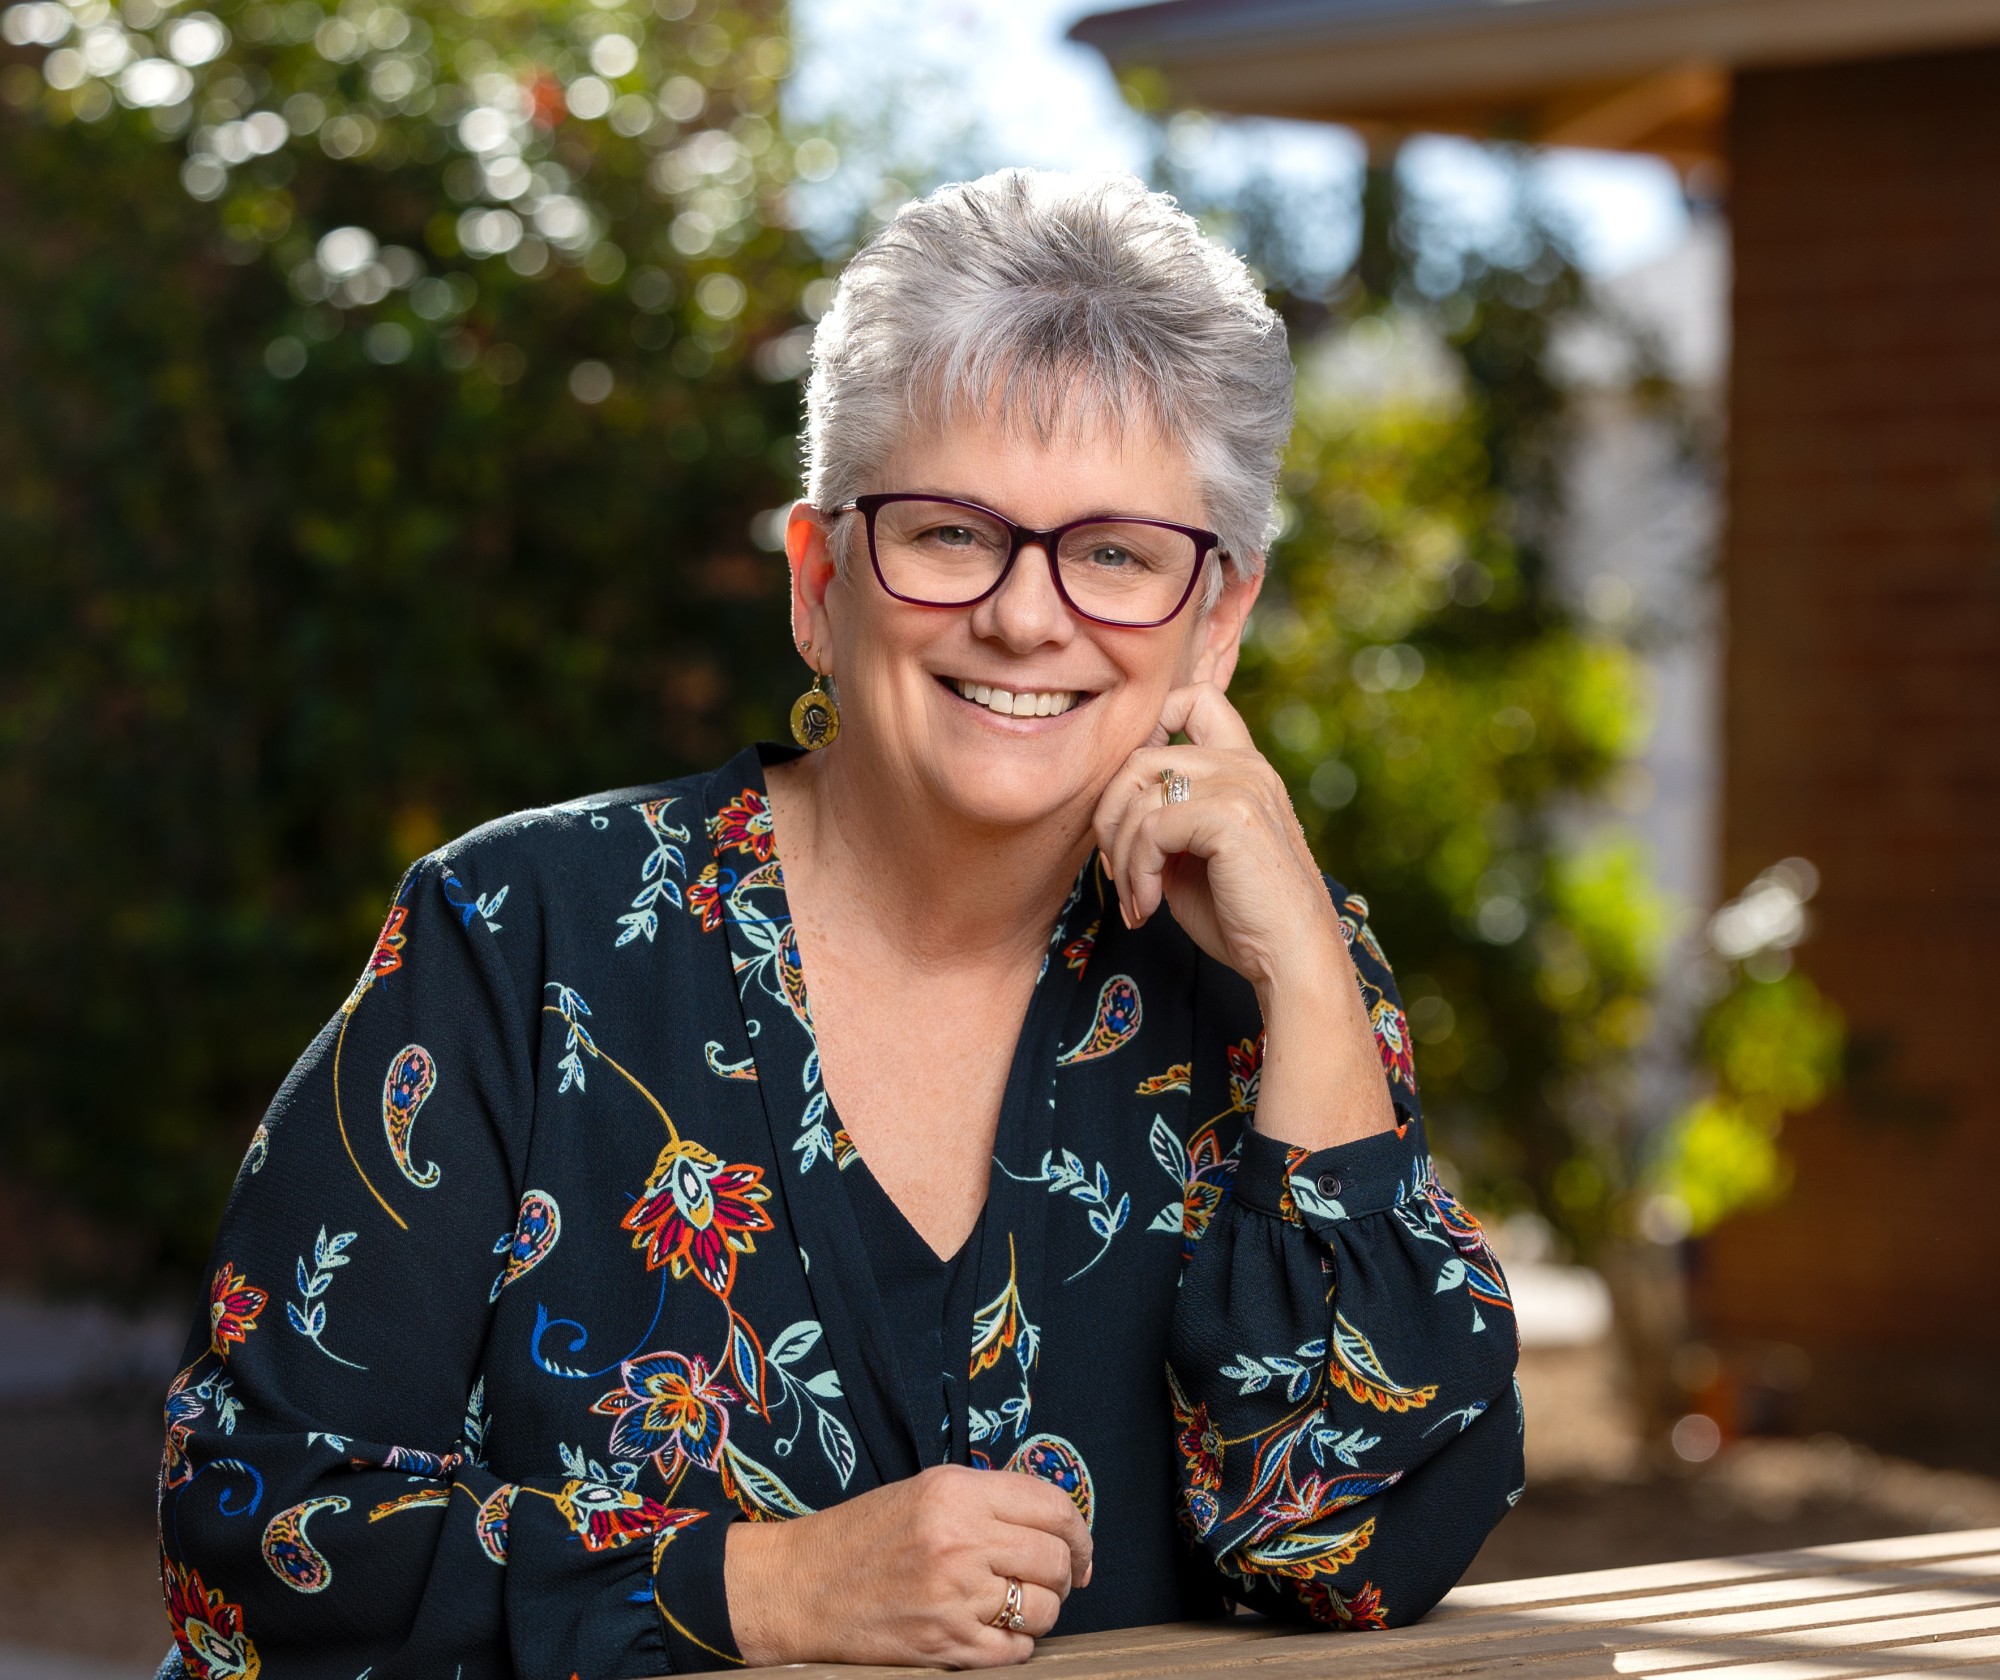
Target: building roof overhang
<point x="1643" y="75"/>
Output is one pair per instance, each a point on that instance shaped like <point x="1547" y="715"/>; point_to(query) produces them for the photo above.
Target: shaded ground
<point x="1597" y="1499"/>
<point x="77" y="1565"/>
<point x="77" y="1571"/>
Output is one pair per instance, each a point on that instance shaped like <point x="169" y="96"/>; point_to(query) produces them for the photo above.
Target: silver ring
<point x="1009" y="1614"/>
<point x="1175" y="787"/>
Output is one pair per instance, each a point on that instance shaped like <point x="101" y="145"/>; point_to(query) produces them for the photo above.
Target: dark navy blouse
<point x="544" y="1268"/>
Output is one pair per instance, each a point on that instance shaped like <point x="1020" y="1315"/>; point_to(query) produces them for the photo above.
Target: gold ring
<point x="1174" y="787"/>
<point x="1009" y="1615"/>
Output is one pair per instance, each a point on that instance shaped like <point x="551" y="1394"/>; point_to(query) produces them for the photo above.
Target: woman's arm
<point x="323" y="1499"/>
<point x="1342" y="1351"/>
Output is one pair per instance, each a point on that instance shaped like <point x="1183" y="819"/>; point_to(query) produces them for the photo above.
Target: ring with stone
<point x="1009" y="1615"/>
<point x="1174" y="787"/>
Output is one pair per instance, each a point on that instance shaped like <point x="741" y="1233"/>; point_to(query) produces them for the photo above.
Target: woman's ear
<point x="809" y="553"/>
<point x="1220" y="633"/>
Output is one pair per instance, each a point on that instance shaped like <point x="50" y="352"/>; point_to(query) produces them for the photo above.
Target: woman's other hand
<point x="1232" y="864"/>
<point x="910" y="1573"/>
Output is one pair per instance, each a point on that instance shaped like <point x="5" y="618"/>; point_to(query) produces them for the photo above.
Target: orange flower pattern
<point x="233" y="1306"/>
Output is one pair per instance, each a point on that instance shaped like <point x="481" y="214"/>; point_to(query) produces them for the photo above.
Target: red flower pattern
<point x="605" y="1518"/>
<point x="696" y="1214"/>
<point x="233" y="1306"/>
<point x="704" y="900"/>
<point x="208" y="1630"/>
<point x="1358" y="1610"/>
<point x="745" y="824"/>
<point x="1246" y="1059"/>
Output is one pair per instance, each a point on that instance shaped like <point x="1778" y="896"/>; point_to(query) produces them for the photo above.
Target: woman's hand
<point x="1232" y="864"/>
<point x="911" y="1573"/>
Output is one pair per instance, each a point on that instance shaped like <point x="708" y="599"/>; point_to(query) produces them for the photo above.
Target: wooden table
<point x="1924" y="1604"/>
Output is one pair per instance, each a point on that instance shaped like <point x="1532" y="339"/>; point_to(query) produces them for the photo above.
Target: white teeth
<point x="1043" y="703"/>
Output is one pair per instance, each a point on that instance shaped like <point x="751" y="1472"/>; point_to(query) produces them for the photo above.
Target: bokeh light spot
<point x="387" y="342"/>
<point x="195" y="39"/>
<point x="284" y="358"/>
<point x="590" y="382"/>
<point x="1697" y="1438"/>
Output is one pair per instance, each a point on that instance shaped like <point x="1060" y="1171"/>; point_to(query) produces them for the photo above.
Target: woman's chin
<point x="1005" y="795"/>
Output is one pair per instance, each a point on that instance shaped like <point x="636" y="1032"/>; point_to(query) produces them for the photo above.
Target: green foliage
<point x="309" y="563"/>
<point x="1774" y="1048"/>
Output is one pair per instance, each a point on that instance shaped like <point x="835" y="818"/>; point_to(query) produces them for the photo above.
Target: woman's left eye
<point x="1114" y="559"/>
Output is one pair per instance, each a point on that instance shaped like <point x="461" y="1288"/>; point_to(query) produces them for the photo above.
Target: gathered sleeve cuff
<point x="693" y="1601"/>
<point x="1341" y="1367"/>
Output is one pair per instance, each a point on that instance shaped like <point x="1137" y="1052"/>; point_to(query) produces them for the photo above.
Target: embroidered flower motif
<point x="1288" y="1207"/>
<point x="704" y="900"/>
<point x="182" y="1408"/>
<point x="696" y="1214"/>
<point x="1359" y="1610"/>
<point x="208" y="1631"/>
<point x="1296" y="1502"/>
<point x="671" y="1409"/>
<point x="604" y="1517"/>
<point x="1200" y="1444"/>
<point x="233" y="1306"/>
<point x="745" y="824"/>
<point x="1246" y="1060"/>
<point x="1392" y="1038"/>
<point x="1210" y="1174"/>
<point x="387" y="956"/>
<point x="1076" y="954"/>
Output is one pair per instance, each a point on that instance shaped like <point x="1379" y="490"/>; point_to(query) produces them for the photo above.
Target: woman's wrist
<point x="1321" y="1081"/>
<point x="752" y="1570"/>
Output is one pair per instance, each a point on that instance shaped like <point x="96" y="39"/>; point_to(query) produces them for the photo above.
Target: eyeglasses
<point x="934" y="551"/>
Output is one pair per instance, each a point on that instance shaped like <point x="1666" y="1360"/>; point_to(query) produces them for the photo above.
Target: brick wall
<point x="1862" y="705"/>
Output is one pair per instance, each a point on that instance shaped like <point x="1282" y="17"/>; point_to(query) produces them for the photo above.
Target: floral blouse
<point x="541" y="1272"/>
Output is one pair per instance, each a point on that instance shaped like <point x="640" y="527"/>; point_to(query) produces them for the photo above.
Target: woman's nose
<point x="1025" y="611"/>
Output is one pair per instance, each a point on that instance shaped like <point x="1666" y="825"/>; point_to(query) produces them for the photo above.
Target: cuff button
<point x="1327" y="1184"/>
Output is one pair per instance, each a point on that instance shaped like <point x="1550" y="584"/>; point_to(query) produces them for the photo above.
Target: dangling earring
<point x="815" y="717"/>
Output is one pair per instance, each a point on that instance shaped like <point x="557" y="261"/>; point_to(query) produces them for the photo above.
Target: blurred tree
<point x="386" y="399"/>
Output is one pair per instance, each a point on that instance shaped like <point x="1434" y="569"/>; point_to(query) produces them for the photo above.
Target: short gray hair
<point x="1030" y="290"/>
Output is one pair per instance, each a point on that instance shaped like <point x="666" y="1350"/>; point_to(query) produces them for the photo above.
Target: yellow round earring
<point x="815" y="717"/>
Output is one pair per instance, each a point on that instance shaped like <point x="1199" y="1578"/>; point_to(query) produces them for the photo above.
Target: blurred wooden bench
<point x="1922" y="1604"/>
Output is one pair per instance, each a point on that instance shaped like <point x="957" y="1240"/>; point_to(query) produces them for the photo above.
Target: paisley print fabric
<point x="478" y="1391"/>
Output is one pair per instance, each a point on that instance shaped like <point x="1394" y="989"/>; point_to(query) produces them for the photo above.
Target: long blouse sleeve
<point x="324" y="1507"/>
<point x="1341" y="1363"/>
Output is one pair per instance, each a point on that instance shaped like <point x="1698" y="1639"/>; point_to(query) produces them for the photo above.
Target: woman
<point x="1071" y="1259"/>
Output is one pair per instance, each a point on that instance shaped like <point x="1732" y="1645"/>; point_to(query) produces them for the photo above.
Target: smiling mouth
<point x="1012" y="703"/>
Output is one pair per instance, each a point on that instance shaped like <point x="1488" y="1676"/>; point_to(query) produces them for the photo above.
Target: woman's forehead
<point x="1089" y="465"/>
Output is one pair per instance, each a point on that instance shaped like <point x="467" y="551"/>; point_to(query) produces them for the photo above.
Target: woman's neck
<point x="937" y="888"/>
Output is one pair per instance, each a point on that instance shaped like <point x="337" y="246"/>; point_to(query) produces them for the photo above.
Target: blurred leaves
<point x="324" y="536"/>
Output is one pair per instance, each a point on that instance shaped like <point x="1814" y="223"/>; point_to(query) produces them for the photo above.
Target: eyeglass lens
<point x="943" y="554"/>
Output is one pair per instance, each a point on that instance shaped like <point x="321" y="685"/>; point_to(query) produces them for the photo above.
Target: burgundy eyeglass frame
<point x="1019" y="537"/>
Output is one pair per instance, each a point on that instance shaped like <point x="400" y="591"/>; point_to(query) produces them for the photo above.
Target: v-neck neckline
<point x="742" y="892"/>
